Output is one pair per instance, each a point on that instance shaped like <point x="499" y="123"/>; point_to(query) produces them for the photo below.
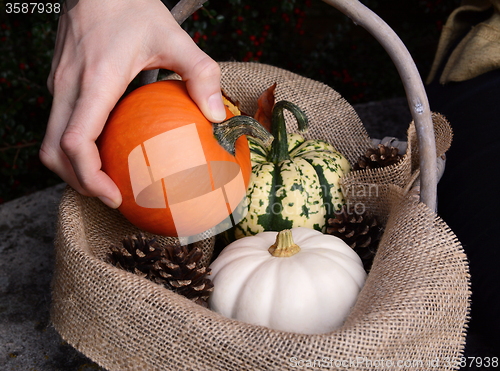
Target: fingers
<point x="84" y="158"/>
<point x="51" y="154"/>
<point x="78" y="140"/>
<point x="69" y="148"/>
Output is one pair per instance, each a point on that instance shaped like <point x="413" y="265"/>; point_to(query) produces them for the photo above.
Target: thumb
<point x="203" y="84"/>
<point x="202" y="76"/>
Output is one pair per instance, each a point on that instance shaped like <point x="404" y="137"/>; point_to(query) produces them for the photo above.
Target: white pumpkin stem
<point x="284" y="246"/>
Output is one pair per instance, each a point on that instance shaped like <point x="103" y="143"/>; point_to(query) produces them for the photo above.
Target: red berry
<point x="196" y="37"/>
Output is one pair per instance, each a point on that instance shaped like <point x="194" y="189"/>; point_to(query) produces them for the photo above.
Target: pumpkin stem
<point x="279" y="147"/>
<point x="284" y="246"/>
<point x="227" y="132"/>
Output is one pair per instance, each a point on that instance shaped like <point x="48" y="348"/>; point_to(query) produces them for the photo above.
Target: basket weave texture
<point x="413" y="307"/>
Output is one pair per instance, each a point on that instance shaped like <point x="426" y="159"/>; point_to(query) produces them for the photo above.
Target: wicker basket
<point x="412" y="311"/>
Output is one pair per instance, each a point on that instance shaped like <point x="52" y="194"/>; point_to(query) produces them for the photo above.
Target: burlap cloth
<point x="412" y="312"/>
<point x="478" y="52"/>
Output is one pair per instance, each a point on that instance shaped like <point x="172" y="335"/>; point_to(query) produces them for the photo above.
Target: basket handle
<point x="414" y="87"/>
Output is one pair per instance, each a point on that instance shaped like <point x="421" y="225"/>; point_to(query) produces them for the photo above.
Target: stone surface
<point x="28" y="341"/>
<point x="388" y="118"/>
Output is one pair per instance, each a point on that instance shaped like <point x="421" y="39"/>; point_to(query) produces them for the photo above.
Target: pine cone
<point x="178" y="270"/>
<point x="378" y="157"/>
<point x="173" y="266"/>
<point x="360" y="231"/>
<point x="137" y="254"/>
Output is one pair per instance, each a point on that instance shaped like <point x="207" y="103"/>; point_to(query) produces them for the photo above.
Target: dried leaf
<point x="234" y="107"/>
<point x="266" y="103"/>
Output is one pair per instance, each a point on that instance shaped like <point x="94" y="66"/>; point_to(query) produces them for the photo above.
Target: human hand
<point x="100" y="47"/>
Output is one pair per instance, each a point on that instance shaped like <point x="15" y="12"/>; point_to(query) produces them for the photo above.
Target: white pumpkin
<point x="307" y="284"/>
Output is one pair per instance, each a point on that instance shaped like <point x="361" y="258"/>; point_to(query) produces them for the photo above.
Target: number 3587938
<point x="32" y="8"/>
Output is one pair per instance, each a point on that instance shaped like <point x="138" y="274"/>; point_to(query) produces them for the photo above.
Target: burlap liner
<point x="413" y="308"/>
<point x="478" y="51"/>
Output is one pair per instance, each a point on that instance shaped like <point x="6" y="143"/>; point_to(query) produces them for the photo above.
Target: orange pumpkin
<point x="174" y="176"/>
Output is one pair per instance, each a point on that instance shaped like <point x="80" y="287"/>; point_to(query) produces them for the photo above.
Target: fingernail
<point x="109" y="202"/>
<point x="216" y="107"/>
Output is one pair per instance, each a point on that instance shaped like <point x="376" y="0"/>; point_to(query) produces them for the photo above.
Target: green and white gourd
<point x="294" y="182"/>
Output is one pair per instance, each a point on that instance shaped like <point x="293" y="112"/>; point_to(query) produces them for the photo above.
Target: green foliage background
<point x="308" y="37"/>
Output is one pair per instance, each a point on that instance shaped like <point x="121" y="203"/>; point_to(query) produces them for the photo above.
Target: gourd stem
<point x="284" y="246"/>
<point x="228" y="132"/>
<point x="279" y="147"/>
